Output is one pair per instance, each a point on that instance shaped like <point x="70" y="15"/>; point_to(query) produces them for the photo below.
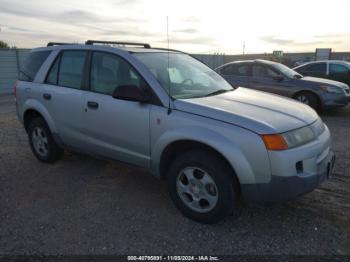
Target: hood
<point x="324" y="81"/>
<point x="260" y="112"/>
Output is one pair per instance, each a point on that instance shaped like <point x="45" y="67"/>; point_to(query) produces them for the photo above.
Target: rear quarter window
<point x="32" y="65"/>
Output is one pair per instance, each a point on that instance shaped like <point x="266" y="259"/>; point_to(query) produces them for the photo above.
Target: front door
<point x="115" y="128"/>
<point x="265" y="78"/>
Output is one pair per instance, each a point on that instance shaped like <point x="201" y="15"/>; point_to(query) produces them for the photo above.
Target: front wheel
<point x="202" y="186"/>
<point x="308" y="99"/>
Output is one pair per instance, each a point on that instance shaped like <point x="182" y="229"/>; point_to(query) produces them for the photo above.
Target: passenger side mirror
<point x="278" y="78"/>
<point x="130" y="93"/>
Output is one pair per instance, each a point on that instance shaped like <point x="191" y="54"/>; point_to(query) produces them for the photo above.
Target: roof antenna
<point x="168" y="69"/>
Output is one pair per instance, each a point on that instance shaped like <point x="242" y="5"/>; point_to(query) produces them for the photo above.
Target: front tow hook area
<point x="330" y="167"/>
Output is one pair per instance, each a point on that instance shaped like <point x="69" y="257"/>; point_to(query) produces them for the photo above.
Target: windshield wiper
<point x="217" y="92"/>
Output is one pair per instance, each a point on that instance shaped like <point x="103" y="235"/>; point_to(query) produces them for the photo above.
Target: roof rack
<point x="58" y="43"/>
<point x="91" y="42"/>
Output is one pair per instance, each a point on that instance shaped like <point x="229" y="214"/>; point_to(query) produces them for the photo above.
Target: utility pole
<point x="243" y="47"/>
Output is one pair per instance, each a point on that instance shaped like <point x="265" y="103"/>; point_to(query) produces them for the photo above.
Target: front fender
<point x="220" y="143"/>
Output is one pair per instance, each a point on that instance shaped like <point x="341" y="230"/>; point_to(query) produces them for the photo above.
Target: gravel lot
<point x="82" y="205"/>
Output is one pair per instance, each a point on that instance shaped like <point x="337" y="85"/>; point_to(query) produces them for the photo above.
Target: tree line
<point x="4" y="44"/>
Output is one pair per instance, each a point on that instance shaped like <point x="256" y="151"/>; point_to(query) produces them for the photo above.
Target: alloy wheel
<point x="40" y="141"/>
<point x="197" y="189"/>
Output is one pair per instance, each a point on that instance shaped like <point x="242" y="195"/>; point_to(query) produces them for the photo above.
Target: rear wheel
<point x="308" y="99"/>
<point x="202" y="186"/>
<point x="41" y="141"/>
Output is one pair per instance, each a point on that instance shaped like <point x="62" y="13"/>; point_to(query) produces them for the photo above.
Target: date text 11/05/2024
<point x="173" y="258"/>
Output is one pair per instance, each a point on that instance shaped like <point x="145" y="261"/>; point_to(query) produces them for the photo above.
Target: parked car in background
<point x="331" y="69"/>
<point x="277" y="78"/>
<point x="304" y="61"/>
<point x="170" y="114"/>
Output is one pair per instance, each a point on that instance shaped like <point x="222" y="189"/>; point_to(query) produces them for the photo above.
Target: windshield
<point x="285" y="70"/>
<point x="183" y="76"/>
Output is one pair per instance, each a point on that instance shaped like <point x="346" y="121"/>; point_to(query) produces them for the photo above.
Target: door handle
<point x="47" y="96"/>
<point x="92" y="105"/>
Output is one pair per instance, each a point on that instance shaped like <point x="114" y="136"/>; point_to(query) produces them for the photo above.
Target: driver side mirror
<point x="278" y="78"/>
<point x="130" y="93"/>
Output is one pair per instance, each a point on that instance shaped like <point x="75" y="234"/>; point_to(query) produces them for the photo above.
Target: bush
<point x="4" y="44"/>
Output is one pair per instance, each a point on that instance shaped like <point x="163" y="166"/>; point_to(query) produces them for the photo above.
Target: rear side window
<point x="67" y="70"/>
<point x="71" y="69"/>
<point x="263" y="71"/>
<point x="53" y="74"/>
<point x="237" y="70"/>
<point x="319" y="68"/>
<point x="32" y="65"/>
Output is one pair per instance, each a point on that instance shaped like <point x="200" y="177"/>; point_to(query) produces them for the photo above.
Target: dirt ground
<point x="81" y="205"/>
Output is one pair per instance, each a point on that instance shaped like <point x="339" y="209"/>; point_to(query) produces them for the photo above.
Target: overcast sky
<point x="197" y="26"/>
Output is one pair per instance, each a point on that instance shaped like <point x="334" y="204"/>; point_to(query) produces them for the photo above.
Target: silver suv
<point x="168" y="113"/>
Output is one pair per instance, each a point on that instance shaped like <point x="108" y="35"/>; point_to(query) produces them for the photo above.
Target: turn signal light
<point x="274" y="142"/>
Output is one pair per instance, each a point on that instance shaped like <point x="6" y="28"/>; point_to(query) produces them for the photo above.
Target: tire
<point x="211" y="179"/>
<point x="41" y="141"/>
<point x="308" y="99"/>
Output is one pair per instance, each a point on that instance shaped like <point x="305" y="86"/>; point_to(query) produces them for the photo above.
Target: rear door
<point x="315" y="70"/>
<point x="115" y="128"/>
<point x="62" y="95"/>
<point x="26" y="86"/>
<point x="237" y="74"/>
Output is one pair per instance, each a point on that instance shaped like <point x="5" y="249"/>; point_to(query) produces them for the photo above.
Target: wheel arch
<point x="33" y="108"/>
<point x="187" y="138"/>
<point x="184" y="145"/>
<point x="28" y="116"/>
<point x="319" y="100"/>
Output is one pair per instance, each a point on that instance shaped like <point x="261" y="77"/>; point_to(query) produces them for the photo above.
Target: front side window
<point x="338" y="69"/>
<point x="235" y="70"/>
<point x="109" y="71"/>
<point x="263" y="71"/>
<point x="285" y="70"/>
<point x="71" y="69"/>
<point x="182" y="76"/>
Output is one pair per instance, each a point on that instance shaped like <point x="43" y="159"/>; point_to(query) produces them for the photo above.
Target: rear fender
<point x="34" y="104"/>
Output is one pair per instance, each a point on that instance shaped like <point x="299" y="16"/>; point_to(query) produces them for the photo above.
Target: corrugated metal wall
<point x="213" y="61"/>
<point x="11" y="60"/>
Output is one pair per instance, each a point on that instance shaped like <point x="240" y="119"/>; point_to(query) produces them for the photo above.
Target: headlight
<point x="298" y="137"/>
<point x="332" y="89"/>
<point x="289" y="139"/>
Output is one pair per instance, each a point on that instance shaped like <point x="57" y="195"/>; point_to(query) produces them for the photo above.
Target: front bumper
<point x="334" y="100"/>
<point x="281" y="188"/>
